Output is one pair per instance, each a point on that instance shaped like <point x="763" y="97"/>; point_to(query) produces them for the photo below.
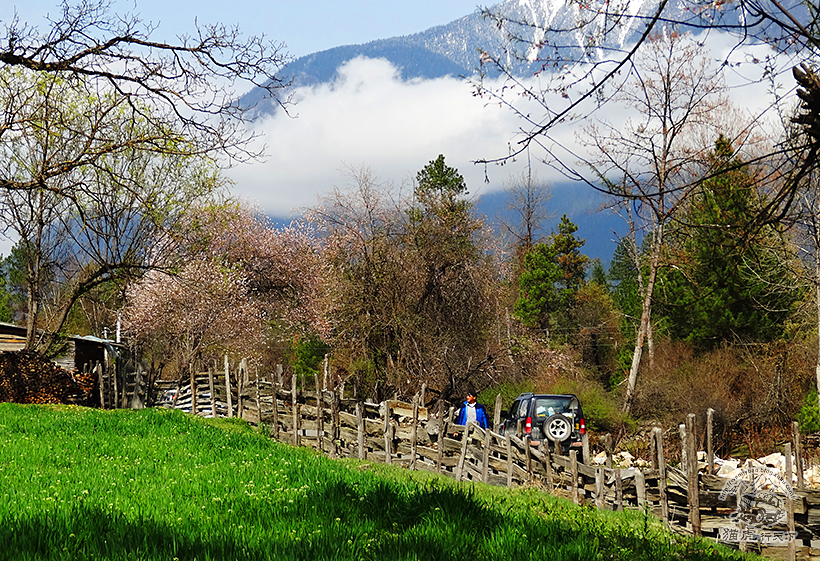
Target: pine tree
<point x="727" y="282"/>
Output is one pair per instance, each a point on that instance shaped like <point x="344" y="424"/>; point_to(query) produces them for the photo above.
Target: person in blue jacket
<point x="473" y="411"/>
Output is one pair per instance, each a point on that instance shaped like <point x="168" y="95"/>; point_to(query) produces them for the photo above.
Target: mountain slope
<point x="454" y="49"/>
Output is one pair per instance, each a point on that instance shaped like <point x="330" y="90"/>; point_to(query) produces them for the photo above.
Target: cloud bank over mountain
<point x="370" y="117"/>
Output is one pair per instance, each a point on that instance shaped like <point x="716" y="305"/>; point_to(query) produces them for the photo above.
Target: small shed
<point x="79" y="353"/>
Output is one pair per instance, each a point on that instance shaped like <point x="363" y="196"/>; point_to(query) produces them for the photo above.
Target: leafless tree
<point x="180" y="90"/>
<point x="108" y="135"/>
<point x="650" y="163"/>
<point x="527" y="198"/>
<point x="584" y="56"/>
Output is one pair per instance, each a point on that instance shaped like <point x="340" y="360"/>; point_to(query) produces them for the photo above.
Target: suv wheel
<point x="557" y="428"/>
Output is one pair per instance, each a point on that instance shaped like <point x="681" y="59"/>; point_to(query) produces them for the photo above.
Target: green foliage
<point x="809" y="416"/>
<point x="158" y="484"/>
<point x="508" y="390"/>
<point x="7" y="302"/>
<point x="598" y="275"/>
<point x="729" y="281"/>
<point x="438" y="177"/>
<point x="553" y="273"/>
<point x="601" y="409"/>
<point x="307" y="356"/>
<point x="537" y="295"/>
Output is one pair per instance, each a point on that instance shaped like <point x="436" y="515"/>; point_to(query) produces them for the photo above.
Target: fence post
<point x="326" y="365"/>
<point x="136" y="400"/>
<point x="585" y="448"/>
<point x="320" y="414"/>
<point x="485" y="465"/>
<point x="545" y="450"/>
<point x="508" y="442"/>
<point x="414" y="433"/>
<point x="599" y="488"/>
<point x="463" y="456"/>
<point x="528" y="455"/>
<point x="798" y="455"/>
<point x="710" y="449"/>
<point x="658" y="434"/>
<point x="692" y="474"/>
<point x="228" y="388"/>
<point x="115" y="396"/>
<point x="276" y="387"/>
<point x="640" y="488"/>
<point x="684" y="461"/>
<point x="295" y="412"/>
<point x="360" y="431"/>
<point x="211" y="390"/>
<point x="608" y="447"/>
<point x="101" y="382"/>
<point x="193" y="389"/>
<point x="258" y="397"/>
<point x="497" y="414"/>
<point x="573" y="464"/>
<point x="442" y="432"/>
<point x="334" y="423"/>
<point x="241" y="384"/>
<point x="619" y="490"/>
<point x="388" y="440"/>
<point x="790" y="503"/>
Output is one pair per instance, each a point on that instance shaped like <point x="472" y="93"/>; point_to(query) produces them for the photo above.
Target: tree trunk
<point x="817" y="303"/>
<point x="646" y="313"/>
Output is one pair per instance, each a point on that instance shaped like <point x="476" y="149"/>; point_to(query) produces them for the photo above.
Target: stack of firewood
<point x="27" y="377"/>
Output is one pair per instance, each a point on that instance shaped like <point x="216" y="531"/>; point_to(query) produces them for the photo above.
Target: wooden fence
<point x="414" y="436"/>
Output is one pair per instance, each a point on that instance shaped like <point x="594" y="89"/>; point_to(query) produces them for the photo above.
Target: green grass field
<point x="156" y="484"/>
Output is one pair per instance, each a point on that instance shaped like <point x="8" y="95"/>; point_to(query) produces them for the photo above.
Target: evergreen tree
<point x="553" y="273"/>
<point x="727" y="280"/>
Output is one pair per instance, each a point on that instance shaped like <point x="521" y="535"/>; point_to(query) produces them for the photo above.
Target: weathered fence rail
<point x="414" y="436"/>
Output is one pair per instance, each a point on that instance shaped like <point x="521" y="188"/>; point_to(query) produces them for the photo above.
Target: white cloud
<point x="369" y="117"/>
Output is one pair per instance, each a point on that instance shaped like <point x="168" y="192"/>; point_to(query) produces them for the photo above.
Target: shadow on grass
<point x="344" y="520"/>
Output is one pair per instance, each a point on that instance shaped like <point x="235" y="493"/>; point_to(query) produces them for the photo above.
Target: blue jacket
<point x="480" y="415"/>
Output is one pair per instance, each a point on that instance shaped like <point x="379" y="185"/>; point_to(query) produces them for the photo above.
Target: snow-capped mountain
<point x="455" y="48"/>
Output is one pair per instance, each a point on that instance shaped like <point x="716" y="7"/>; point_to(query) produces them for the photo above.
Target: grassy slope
<point x="156" y="484"/>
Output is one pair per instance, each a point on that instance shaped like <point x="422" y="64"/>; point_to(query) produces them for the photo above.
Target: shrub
<point x="601" y="411"/>
<point x="809" y="415"/>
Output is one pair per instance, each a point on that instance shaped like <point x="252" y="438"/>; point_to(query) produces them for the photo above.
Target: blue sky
<point x="306" y="26"/>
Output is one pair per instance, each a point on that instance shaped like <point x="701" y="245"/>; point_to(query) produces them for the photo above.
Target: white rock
<point x="728" y="467"/>
<point x="752" y="463"/>
<point x="773" y="460"/>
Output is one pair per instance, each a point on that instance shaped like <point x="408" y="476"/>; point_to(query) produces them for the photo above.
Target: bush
<point x="508" y="390"/>
<point x="809" y="415"/>
<point x="601" y="411"/>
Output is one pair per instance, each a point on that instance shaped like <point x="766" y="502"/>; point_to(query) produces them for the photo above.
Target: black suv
<point x="558" y="418"/>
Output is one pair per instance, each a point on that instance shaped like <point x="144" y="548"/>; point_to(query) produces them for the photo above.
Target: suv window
<point x="547" y="407"/>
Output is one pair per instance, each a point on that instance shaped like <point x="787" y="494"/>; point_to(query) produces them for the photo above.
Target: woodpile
<point x="27" y="377"/>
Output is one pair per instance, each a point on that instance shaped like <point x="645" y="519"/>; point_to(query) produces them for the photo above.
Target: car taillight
<point x="528" y="425"/>
<point x="583" y="427"/>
